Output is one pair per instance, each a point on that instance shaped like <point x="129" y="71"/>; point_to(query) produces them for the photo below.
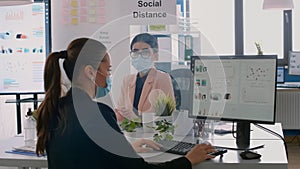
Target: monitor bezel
<point x="193" y="58"/>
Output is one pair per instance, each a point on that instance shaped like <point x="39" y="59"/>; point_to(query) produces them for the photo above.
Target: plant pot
<point x="148" y="123"/>
<point x="159" y="131"/>
<point x="167" y="118"/>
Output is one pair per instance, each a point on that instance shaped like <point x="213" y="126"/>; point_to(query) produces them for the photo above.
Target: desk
<point x="273" y="154"/>
<point x="15" y="160"/>
<point x="273" y="157"/>
<point x="255" y="134"/>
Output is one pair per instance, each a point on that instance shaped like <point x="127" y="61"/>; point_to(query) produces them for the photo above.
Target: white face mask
<point x="141" y="64"/>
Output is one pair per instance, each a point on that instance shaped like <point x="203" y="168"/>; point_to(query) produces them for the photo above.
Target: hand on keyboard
<point x="145" y="145"/>
<point x="204" y="149"/>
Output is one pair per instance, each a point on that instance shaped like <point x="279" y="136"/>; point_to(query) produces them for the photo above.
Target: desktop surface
<point x="273" y="156"/>
<point x="273" y="153"/>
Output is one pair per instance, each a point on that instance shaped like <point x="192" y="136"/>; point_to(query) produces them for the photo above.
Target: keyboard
<point x="182" y="148"/>
<point x="176" y="147"/>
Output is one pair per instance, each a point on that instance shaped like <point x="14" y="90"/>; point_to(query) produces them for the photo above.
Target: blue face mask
<point x="101" y="92"/>
<point x="141" y="64"/>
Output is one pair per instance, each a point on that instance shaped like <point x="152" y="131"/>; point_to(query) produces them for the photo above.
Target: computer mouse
<point x="248" y="155"/>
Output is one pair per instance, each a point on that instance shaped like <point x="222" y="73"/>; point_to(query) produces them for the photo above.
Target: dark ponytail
<point x="47" y="109"/>
<point x="91" y="52"/>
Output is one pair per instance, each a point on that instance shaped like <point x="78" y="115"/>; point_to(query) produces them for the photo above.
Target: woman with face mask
<point x="103" y="78"/>
<point x="137" y="88"/>
<point x="76" y="132"/>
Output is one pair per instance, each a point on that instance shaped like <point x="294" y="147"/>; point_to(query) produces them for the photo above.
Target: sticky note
<point x="101" y="20"/>
<point x="83" y="19"/>
<point x="74" y="3"/>
<point x="101" y="3"/>
<point x="92" y="19"/>
<point x="92" y="12"/>
<point x="74" y="12"/>
<point x="74" y="21"/>
<point x="83" y="3"/>
<point x="101" y="11"/>
<point x="92" y="3"/>
<point x="83" y="11"/>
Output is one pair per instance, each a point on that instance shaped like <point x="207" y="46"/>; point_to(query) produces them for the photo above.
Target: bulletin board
<point x="22" y="52"/>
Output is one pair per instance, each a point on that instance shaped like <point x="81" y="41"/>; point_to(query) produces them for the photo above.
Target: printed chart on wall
<point x="22" y="52"/>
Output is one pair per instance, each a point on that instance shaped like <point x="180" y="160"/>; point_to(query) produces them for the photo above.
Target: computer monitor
<point x="294" y="63"/>
<point x="240" y="88"/>
<point x="280" y="74"/>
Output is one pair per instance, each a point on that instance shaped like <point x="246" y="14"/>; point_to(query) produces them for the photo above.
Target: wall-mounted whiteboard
<point x="22" y="48"/>
<point x="294" y="63"/>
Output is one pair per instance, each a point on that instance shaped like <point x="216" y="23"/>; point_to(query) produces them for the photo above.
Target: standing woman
<point x="76" y="132"/>
<point x="139" y="90"/>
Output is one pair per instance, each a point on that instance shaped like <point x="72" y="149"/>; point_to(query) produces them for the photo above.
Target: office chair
<point x="182" y="80"/>
<point x="177" y="93"/>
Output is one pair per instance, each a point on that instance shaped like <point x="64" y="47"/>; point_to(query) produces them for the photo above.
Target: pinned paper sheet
<point x="92" y="19"/>
<point x="101" y="20"/>
<point x="83" y="3"/>
<point x="74" y="12"/>
<point x="74" y="21"/>
<point x="83" y="19"/>
<point x="83" y="11"/>
<point x="92" y="3"/>
<point x="101" y="11"/>
<point x="101" y="2"/>
<point x="74" y="3"/>
<point x="92" y="11"/>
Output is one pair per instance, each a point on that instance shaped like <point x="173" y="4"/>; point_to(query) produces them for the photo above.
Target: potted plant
<point x="130" y="125"/>
<point x="164" y="106"/>
<point x="165" y="130"/>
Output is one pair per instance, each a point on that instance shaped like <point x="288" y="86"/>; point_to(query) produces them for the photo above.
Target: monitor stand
<point x="243" y="134"/>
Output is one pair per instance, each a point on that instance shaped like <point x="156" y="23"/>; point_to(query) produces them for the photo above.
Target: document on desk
<point x="23" y="150"/>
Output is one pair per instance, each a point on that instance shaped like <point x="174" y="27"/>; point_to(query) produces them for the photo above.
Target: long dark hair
<point x="91" y="52"/>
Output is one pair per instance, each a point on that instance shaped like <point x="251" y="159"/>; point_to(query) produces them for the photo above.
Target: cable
<point x="276" y="134"/>
<point x="231" y="148"/>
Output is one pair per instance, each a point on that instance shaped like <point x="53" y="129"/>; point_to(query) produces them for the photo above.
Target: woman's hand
<point x="122" y="113"/>
<point x="145" y="145"/>
<point x="199" y="153"/>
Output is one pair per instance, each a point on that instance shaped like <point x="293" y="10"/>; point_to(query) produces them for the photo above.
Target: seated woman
<point x="76" y="132"/>
<point x="137" y="89"/>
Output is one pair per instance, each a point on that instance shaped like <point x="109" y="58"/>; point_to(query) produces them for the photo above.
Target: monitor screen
<point x="234" y="88"/>
<point x="280" y="74"/>
<point x="294" y="63"/>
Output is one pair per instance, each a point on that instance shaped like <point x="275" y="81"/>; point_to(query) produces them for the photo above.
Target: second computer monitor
<point x="234" y="88"/>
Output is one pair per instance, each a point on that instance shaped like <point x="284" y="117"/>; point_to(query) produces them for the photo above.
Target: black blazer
<point x="92" y="138"/>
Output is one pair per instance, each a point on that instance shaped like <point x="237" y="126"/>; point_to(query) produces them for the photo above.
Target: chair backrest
<point x="182" y="80"/>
